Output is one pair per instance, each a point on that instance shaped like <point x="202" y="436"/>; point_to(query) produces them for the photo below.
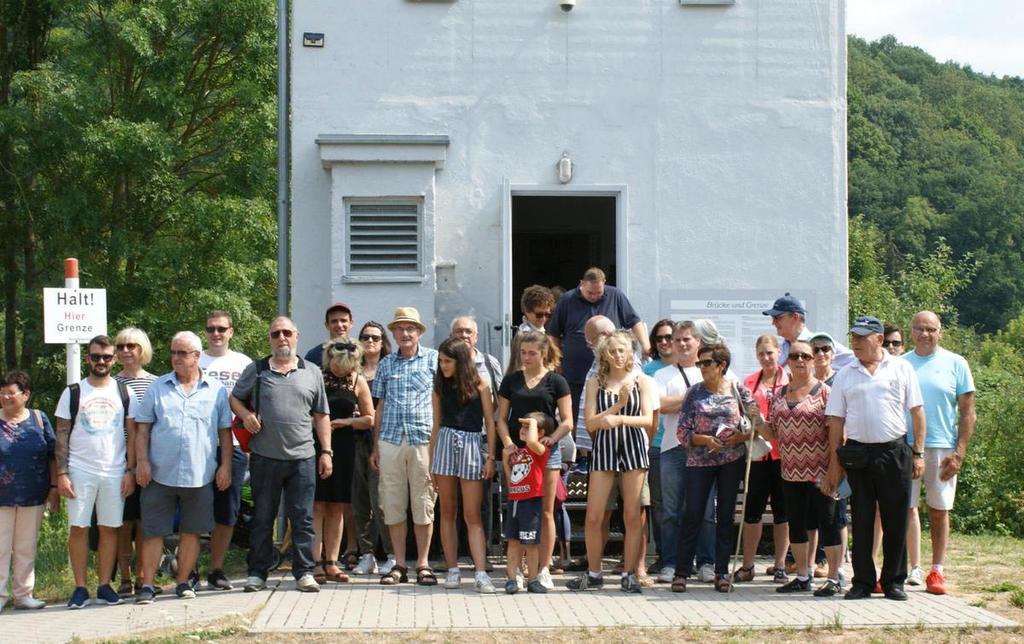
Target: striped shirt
<point x="138" y="386"/>
<point x="801" y="435"/>
<point x="405" y="386"/>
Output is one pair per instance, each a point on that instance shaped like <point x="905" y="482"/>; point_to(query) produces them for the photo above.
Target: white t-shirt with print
<point x="97" y="445"/>
<point x="226" y="368"/>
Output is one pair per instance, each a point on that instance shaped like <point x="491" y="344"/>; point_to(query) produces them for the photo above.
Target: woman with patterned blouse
<point x="27" y="475"/>
<point x="797" y="423"/>
<point x="711" y="426"/>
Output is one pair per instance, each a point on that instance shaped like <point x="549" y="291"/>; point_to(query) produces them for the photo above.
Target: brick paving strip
<point x="365" y="605"/>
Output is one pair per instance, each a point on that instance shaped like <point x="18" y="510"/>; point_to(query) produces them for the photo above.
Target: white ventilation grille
<point x="384" y="239"/>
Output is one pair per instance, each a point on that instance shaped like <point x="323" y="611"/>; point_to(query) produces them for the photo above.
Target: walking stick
<point x="743" y="503"/>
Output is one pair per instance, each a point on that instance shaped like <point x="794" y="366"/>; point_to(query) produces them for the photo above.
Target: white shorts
<point x="101" y="492"/>
<point x="939" y="494"/>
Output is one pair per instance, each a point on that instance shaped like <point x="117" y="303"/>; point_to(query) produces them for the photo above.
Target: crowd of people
<point x="360" y="435"/>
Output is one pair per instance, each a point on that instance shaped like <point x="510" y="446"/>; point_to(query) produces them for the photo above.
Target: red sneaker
<point x="935" y="583"/>
<point x="878" y="588"/>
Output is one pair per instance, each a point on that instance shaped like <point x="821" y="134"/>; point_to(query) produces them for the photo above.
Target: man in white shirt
<point x="95" y="466"/>
<point x="869" y="403"/>
<point x="220" y="362"/>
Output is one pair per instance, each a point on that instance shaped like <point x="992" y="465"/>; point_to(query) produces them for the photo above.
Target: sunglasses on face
<point x="822" y="349"/>
<point x="127" y="346"/>
<point x="541" y="314"/>
<point x="801" y="357"/>
<point x="366" y="337"/>
<point x="892" y="343"/>
<point x="101" y="357"/>
<point x="344" y="346"/>
<point x="663" y="338"/>
<point x="703" y="364"/>
<point x="282" y="332"/>
<point x="182" y="354"/>
<point x="217" y="329"/>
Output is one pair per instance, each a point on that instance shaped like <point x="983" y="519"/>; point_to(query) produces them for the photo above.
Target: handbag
<point x="853" y="457"/>
<point x="759" y="447"/>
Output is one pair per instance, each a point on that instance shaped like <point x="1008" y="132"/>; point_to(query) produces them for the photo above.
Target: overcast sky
<point x="988" y="35"/>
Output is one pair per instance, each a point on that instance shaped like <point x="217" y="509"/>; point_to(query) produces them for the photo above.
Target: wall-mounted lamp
<point x="310" y="39"/>
<point x="565" y="168"/>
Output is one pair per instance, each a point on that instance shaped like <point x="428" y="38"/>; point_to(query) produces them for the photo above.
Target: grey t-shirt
<point x="285" y="403"/>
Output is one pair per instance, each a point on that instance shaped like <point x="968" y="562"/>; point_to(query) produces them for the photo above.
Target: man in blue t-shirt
<point x="948" y="390"/>
<point x="592" y="297"/>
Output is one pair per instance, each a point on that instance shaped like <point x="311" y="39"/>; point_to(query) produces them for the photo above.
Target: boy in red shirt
<point x="524" y="472"/>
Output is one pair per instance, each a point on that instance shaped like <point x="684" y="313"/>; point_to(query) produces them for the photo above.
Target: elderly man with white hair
<point x="183" y="420"/>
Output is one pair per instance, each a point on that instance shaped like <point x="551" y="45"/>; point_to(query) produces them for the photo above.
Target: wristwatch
<point x="918" y="454"/>
<point x="329" y="452"/>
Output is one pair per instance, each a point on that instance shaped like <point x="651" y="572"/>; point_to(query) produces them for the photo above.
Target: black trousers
<point x="885" y="481"/>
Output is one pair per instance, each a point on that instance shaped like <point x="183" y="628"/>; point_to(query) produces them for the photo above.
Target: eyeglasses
<point x="541" y="314"/>
<point x="892" y="343"/>
<point x="285" y="332"/>
<point x="182" y="354"/>
<point x="801" y="357"/>
<point x="366" y="337"/>
<point x="10" y="394"/>
<point x="663" y="338"/>
<point x="822" y="349"/>
<point x="217" y="329"/>
<point x="344" y="346"/>
<point x="702" y="364"/>
<point x="101" y="357"/>
<point x="127" y="346"/>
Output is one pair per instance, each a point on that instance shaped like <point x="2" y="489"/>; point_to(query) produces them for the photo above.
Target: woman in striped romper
<point x="458" y="455"/>
<point x="620" y="421"/>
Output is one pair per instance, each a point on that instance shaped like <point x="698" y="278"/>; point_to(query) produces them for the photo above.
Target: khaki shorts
<point x="613" y="495"/>
<point x="938" y="494"/>
<point x="405" y="481"/>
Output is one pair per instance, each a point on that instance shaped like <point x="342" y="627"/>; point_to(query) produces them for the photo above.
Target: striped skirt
<point x="459" y="454"/>
<point x="620" y="449"/>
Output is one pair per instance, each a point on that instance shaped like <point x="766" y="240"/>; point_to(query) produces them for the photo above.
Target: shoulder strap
<point x="682" y="372"/>
<point x="74" y="397"/>
<point x="263" y="364"/>
<point x="494" y="380"/>
<point x="739" y="399"/>
<point x="39" y="417"/>
<point x="122" y="389"/>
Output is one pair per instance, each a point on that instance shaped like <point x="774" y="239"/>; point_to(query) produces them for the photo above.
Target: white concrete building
<point x="707" y="140"/>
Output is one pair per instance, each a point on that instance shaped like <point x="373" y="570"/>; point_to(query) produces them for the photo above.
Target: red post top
<point x="70" y="267"/>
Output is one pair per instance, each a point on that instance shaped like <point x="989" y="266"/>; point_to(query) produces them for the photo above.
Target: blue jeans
<point x="654" y="482"/>
<point x="700" y="482"/>
<point x="673" y="497"/>
<point x="268" y="478"/>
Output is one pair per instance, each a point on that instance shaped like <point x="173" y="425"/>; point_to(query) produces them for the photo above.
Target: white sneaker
<point x="544" y="577"/>
<point x="842" y="577"/>
<point x="454" y="579"/>
<point x="367" y="565"/>
<point x="388" y="564"/>
<point x="307" y="584"/>
<point x="667" y="574"/>
<point x="707" y="573"/>
<point x="28" y="602"/>
<point x="483" y="584"/>
<point x="520" y="580"/>
<point x="916" y="577"/>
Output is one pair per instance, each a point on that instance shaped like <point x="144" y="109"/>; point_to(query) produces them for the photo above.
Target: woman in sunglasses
<point x="662" y="355"/>
<point x="347" y="392"/>
<point x="711" y="426"/>
<point x="796" y="422"/>
<point x="765" y="473"/>
<point x="368" y="518"/>
<point x="133" y="352"/>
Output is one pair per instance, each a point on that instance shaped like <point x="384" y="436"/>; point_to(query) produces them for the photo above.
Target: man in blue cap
<point x="869" y="404"/>
<point x="788" y="317"/>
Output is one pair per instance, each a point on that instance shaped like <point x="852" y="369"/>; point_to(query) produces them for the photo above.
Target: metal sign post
<point x="72" y="350"/>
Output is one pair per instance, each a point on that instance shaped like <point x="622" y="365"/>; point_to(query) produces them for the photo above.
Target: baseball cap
<point x="786" y="304"/>
<point x="867" y="325"/>
<point x="337" y="306"/>
<point x="817" y="337"/>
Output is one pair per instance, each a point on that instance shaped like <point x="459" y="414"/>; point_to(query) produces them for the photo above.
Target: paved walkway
<point x="365" y="605"/>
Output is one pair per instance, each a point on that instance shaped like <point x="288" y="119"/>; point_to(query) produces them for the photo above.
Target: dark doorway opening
<point x="555" y="239"/>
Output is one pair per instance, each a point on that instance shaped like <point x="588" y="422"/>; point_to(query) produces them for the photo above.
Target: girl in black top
<point x="535" y="387"/>
<point x="459" y="457"/>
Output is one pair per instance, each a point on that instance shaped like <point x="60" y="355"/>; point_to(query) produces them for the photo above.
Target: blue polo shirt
<point x="570" y="316"/>
<point x="944" y="376"/>
<point x="183" y="440"/>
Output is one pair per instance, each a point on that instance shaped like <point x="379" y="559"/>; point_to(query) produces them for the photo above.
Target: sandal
<point x="425" y="576"/>
<point x="722" y="584"/>
<point x="319" y="577"/>
<point x="350" y="559"/>
<point x="744" y="573"/>
<point x="398" y="575"/>
<point x="646" y="581"/>
<point x="333" y="573"/>
<point x="679" y="584"/>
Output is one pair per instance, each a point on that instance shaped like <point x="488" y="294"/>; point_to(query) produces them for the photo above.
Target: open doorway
<point x="556" y="238"/>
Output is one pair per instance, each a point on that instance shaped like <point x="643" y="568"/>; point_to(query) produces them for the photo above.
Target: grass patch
<point x="1002" y="587"/>
<point x="1017" y="598"/>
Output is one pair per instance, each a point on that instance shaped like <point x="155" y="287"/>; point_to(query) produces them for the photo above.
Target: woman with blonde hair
<point x="347" y="392"/>
<point x="620" y="420"/>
